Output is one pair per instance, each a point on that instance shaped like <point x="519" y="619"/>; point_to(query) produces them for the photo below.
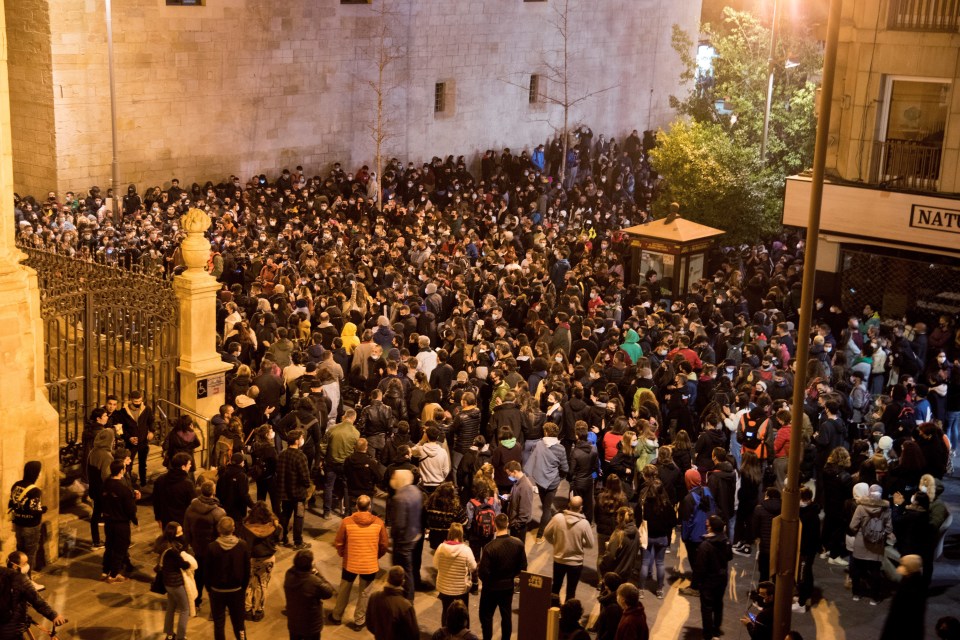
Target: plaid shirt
<point x="293" y="475"/>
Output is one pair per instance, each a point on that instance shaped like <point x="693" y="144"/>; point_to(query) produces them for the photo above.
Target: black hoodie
<point x="722" y="483"/>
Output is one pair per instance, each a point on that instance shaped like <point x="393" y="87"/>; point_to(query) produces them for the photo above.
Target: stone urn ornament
<point x="195" y="248"/>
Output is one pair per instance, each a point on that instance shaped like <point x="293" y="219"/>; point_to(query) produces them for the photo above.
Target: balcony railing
<point x="907" y="165"/>
<point x="924" y="15"/>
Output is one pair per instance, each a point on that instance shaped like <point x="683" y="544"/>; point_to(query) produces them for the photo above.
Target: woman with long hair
<point x="748" y="495"/>
<point x="623" y="548"/>
<point x="837" y="485"/>
<point x="655" y="507"/>
<point x="682" y="450"/>
<point x="442" y="509"/>
<point x="611" y="498"/>
<point x="261" y="531"/>
<point x="177" y="567"/>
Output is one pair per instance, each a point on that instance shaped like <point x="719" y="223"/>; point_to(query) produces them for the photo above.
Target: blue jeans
<point x="177" y="601"/>
<point x="953" y="428"/>
<point x="332" y="473"/>
<point x="735" y="449"/>
<point x="654" y="553"/>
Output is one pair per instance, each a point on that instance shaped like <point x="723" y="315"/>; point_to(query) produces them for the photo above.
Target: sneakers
<point x="659" y="594"/>
<point x="641" y="593"/>
<point x="302" y="545"/>
<point x="37" y="586"/>
<point x="873" y="602"/>
<point x="798" y="608"/>
<point x="824" y="555"/>
<point x="743" y="550"/>
<point x="689" y="591"/>
<point x="856" y="598"/>
<point x="116" y="579"/>
<point x="838" y="561"/>
<point x="96" y="546"/>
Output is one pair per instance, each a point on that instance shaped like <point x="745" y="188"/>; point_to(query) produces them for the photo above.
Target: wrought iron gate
<point x="106" y="331"/>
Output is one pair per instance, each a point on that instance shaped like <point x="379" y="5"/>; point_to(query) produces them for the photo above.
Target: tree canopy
<point x="724" y="112"/>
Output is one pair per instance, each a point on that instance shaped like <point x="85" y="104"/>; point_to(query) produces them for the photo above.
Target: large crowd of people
<point x="436" y="370"/>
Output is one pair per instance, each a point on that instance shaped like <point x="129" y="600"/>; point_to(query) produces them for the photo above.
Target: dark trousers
<point x="763" y="564"/>
<point x="572" y="573"/>
<point x="296" y="509"/>
<point x="28" y="541"/>
<point x="711" y="609"/>
<point x="692" y="557"/>
<point x="118" y="541"/>
<point x="140" y="454"/>
<point x="585" y="491"/>
<point x="446" y="601"/>
<point x="490" y="601"/>
<point x="220" y="603"/>
<point x="403" y="557"/>
<point x="199" y="577"/>
<point x="546" y="503"/>
<point x="805" y="578"/>
<point x="266" y="488"/>
<point x="331" y="474"/>
<point x="95" y="517"/>
<point x="865" y="576"/>
<point x="416" y="560"/>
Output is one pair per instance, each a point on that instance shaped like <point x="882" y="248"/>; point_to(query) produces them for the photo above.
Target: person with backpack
<point x="696" y="507"/>
<point x="861" y="401"/>
<point x="233" y="488"/>
<point x="571" y="535"/>
<point x="870" y="527"/>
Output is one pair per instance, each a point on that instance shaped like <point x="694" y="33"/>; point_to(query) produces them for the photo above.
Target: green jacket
<point x="630" y="345"/>
<point x="342" y="441"/>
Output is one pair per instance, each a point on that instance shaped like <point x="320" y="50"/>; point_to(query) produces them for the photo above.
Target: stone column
<point x="202" y="382"/>
<point x="29" y="426"/>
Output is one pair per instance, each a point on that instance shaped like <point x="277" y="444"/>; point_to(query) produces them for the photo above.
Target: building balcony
<point x="924" y="15"/>
<point x="907" y="165"/>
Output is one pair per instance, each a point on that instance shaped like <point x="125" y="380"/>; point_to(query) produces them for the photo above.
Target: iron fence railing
<point x="924" y="15"/>
<point x="908" y="165"/>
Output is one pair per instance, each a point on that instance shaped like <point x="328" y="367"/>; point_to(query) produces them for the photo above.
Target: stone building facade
<point x="244" y="86"/>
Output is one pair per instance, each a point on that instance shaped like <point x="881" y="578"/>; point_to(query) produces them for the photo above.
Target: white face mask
<point x="558" y="359"/>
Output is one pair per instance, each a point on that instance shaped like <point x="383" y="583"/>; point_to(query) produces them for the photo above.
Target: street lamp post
<point x="774" y="29"/>
<point x="115" y="168"/>
<point x="788" y="541"/>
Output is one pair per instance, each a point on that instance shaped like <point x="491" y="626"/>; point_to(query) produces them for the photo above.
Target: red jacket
<point x="781" y="445"/>
<point x="633" y="625"/>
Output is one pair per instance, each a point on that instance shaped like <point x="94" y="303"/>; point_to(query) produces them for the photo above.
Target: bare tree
<point x="384" y="52"/>
<point x="565" y="91"/>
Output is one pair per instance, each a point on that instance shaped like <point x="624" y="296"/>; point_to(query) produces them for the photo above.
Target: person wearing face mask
<point x="293" y="481"/>
<point x="138" y="430"/>
<point x="16" y="592"/>
<point x="263" y="467"/>
<point x="27" y="509"/>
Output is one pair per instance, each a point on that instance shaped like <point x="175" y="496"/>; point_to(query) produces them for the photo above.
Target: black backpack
<point x="748" y="435"/>
<point x="483" y="516"/>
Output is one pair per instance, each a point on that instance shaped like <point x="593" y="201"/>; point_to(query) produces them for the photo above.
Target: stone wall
<point x="245" y="86"/>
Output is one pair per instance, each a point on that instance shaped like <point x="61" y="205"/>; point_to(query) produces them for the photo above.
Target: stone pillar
<point x="202" y="382"/>
<point x="29" y="426"/>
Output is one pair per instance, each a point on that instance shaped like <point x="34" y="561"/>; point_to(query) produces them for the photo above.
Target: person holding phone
<point x="760" y="625"/>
